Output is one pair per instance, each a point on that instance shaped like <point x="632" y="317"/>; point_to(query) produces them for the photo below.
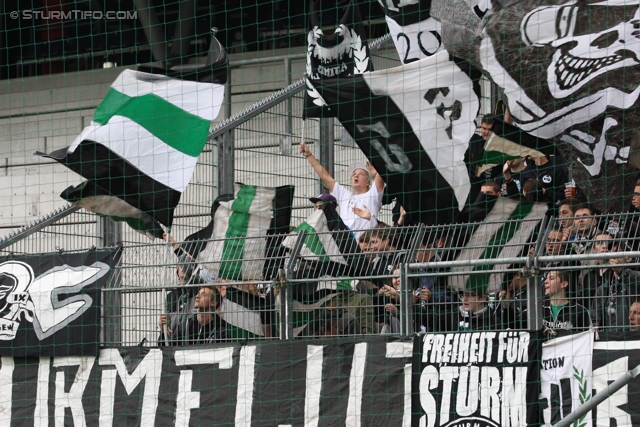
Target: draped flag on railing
<point x="241" y="229"/>
<point x="414" y="32"/>
<point x="343" y="53"/>
<point x="142" y="145"/>
<point x="504" y="232"/>
<point x="414" y="123"/>
<point x="51" y="303"/>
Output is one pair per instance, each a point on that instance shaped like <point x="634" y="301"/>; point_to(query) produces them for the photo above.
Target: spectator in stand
<point x="630" y="222"/>
<point x="586" y="228"/>
<point x="548" y="170"/>
<point x="566" y="212"/>
<point x="360" y="205"/>
<point x="491" y="188"/>
<point x="179" y="305"/>
<point x="560" y="310"/>
<point x="390" y="300"/>
<point x="474" y="156"/>
<point x="483" y="203"/>
<point x="322" y="199"/>
<point x="591" y="278"/>
<point x="430" y="289"/>
<point x="381" y="250"/>
<point x="206" y="326"/>
<point x="617" y="291"/>
<point x="513" y="303"/>
<point x="472" y="314"/>
<point x="534" y="192"/>
<point x="634" y="316"/>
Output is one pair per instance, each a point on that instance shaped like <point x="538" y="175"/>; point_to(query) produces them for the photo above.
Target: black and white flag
<point x="343" y="53"/>
<point x="329" y="248"/>
<point x="415" y="33"/>
<point x="502" y="232"/>
<point x="569" y="70"/>
<point x="414" y="123"/>
<point x="50" y="303"/>
<point x="243" y="232"/>
<point x="142" y="145"/>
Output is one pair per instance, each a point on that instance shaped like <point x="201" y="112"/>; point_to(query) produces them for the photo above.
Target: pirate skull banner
<point x="343" y="53"/>
<point x="571" y="71"/>
<point x="50" y="304"/>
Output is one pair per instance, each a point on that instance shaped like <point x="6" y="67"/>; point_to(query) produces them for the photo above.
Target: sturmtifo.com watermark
<point x="74" y="14"/>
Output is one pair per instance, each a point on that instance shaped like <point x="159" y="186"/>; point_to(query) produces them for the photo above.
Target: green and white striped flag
<point x="329" y="245"/>
<point x="237" y="248"/>
<point x="145" y="138"/>
<point x="319" y="243"/>
<point x="508" y="142"/>
<point x="504" y="232"/>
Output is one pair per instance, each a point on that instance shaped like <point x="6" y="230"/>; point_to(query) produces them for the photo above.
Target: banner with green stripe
<point x="505" y="233"/>
<point x="185" y="132"/>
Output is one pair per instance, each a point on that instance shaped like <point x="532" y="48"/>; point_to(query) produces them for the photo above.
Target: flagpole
<point x="164" y="289"/>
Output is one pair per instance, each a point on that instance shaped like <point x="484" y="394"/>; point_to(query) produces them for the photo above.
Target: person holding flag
<point x="360" y="205"/>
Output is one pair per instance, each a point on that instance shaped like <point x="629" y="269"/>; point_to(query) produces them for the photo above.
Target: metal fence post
<point x="286" y="293"/>
<point x="534" y="294"/>
<point x="406" y="306"/>
<point x="109" y="235"/>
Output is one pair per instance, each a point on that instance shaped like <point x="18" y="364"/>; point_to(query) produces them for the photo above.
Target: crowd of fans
<point x="578" y="294"/>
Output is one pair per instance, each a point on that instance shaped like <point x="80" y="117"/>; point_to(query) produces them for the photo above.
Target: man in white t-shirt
<point x="359" y="206"/>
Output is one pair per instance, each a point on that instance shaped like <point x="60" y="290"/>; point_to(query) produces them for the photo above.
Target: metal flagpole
<point x="595" y="400"/>
<point x="165" y="281"/>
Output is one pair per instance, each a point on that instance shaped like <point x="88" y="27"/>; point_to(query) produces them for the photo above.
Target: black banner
<point x="50" y="303"/>
<point x="476" y="378"/>
<point x="342" y="381"/>
<point x="612" y="358"/>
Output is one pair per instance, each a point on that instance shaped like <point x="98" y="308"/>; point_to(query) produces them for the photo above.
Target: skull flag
<point x="571" y="71"/>
<point x="414" y="123"/>
<point x="341" y="54"/>
<point x="50" y="303"/>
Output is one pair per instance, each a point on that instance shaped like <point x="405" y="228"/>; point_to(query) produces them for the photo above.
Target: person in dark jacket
<point x="560" y="311"/>
<point x="549" y="171"/>
<point x="179" y="305"/>
<point x="206" y="326"/>
<point x="616" y="292"/>
<point x="473" y="313"/>
<point x="513" y="303"/>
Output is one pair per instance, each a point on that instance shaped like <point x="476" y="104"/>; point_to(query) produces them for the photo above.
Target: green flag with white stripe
<point x="504" y="232"/>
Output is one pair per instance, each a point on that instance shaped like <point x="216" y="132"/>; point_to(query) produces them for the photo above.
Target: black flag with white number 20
<point x="414" y="123"/>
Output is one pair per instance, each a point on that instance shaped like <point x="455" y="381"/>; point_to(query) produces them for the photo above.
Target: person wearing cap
<point x="360" y="205"/>
<point x="322" y="199"/>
